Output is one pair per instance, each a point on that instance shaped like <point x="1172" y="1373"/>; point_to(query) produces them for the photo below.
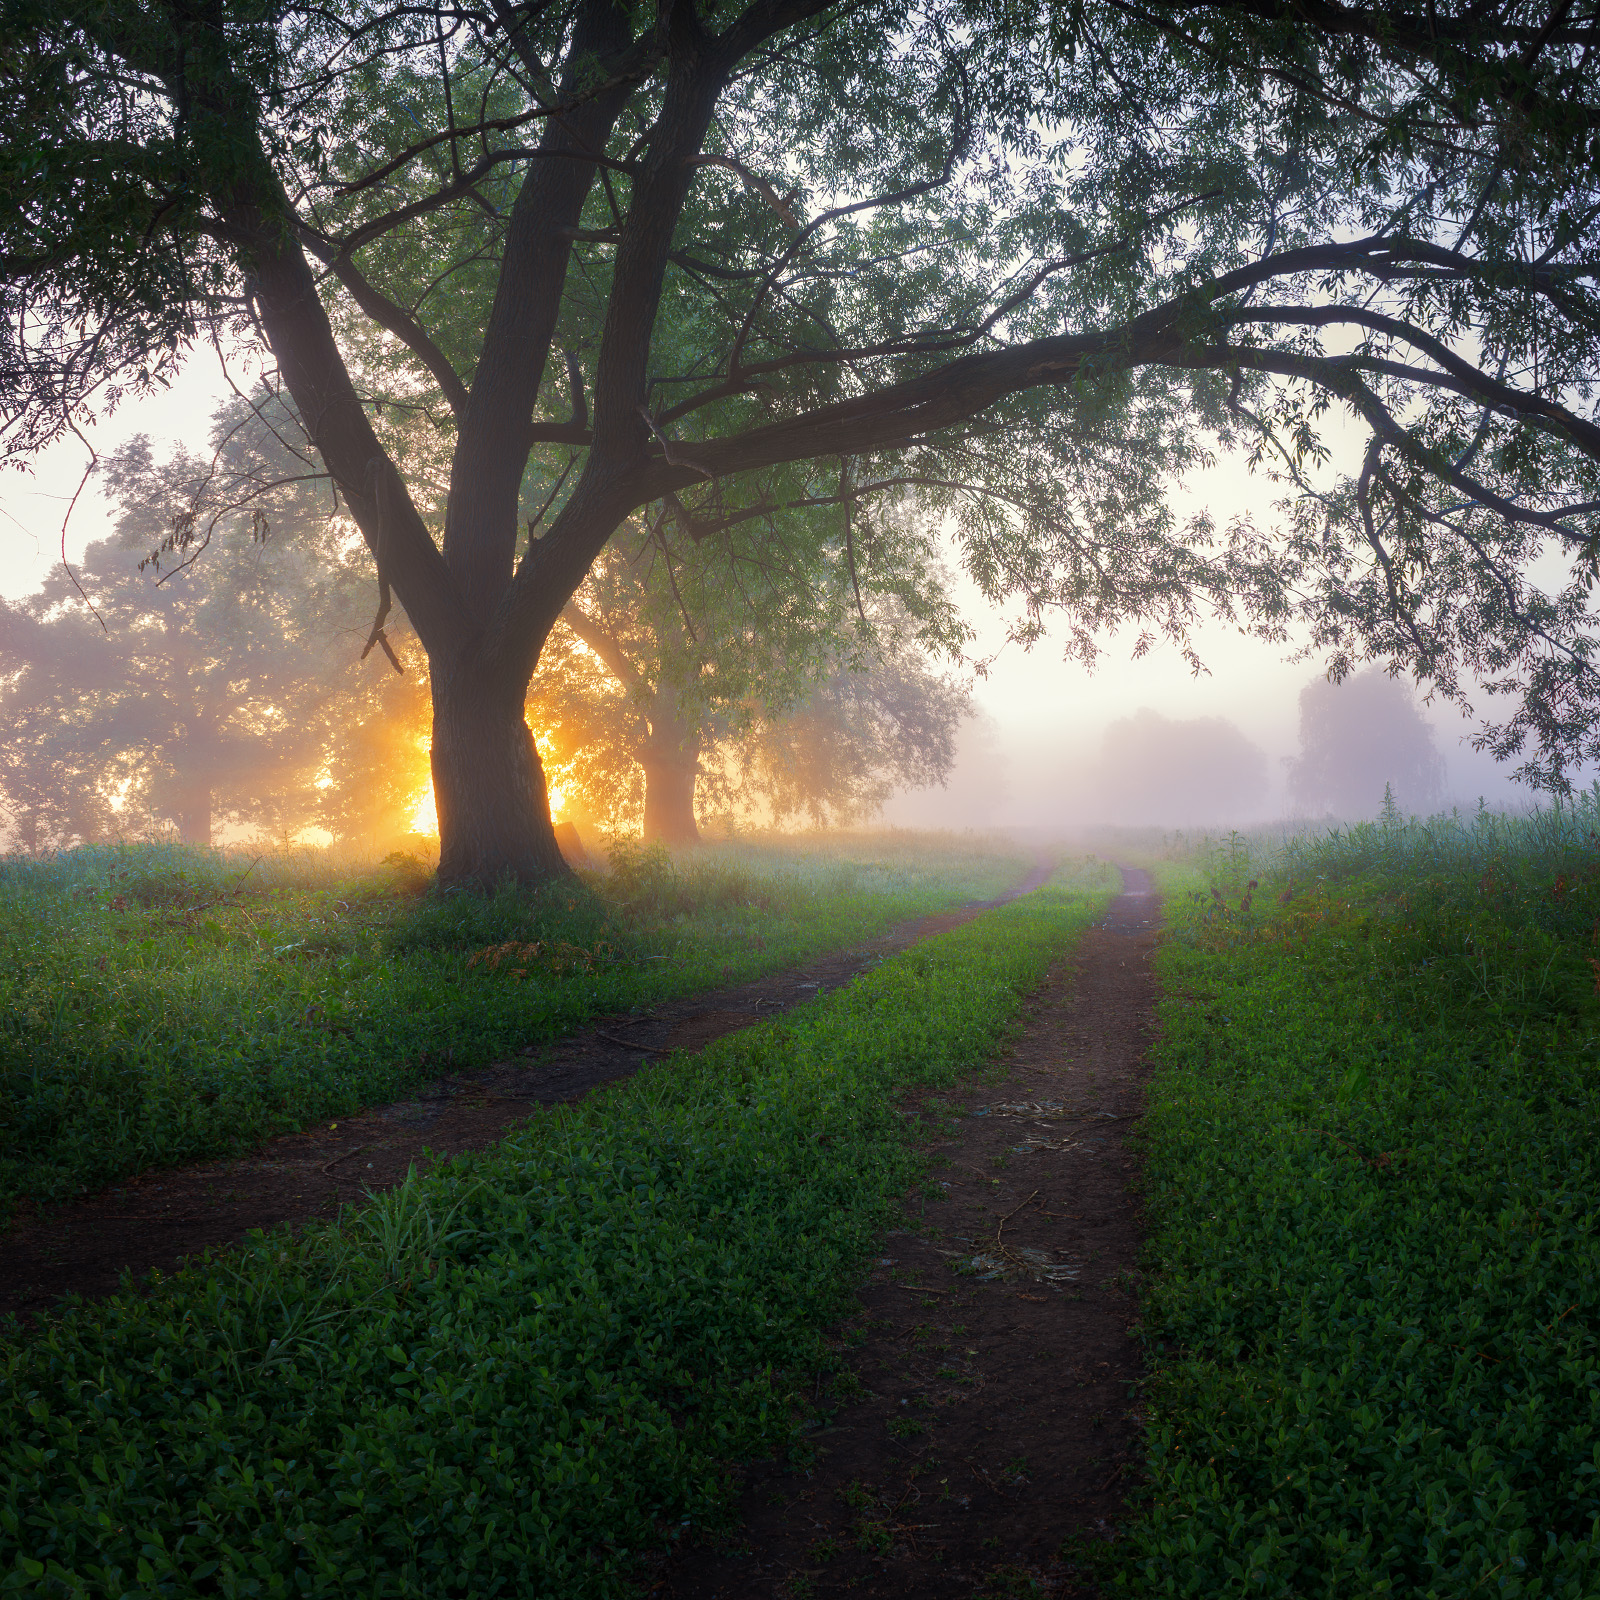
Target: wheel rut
<point x="987" y="1405"/>
<point x="153" y="1221"/>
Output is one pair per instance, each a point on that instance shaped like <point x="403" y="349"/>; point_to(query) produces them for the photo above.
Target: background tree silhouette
<point x="1358" y="736"/>
<point x="1157" y="769"/>
<point x="757" y="670"/>
<point x="198" y="692"/>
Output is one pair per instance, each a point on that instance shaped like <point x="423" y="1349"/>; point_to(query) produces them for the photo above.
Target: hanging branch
<point x="378" y="636"/>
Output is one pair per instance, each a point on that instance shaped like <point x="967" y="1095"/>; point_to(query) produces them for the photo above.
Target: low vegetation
<point x="163" y="1004"/>
<point x="525" y="1371"/>
<point x="1374" y="1175"/>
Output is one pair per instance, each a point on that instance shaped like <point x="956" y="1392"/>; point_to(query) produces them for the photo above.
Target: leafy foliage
<point x="760" y="676"/>
<point x="527" y="1368"/>
<point x="215" y="680"/>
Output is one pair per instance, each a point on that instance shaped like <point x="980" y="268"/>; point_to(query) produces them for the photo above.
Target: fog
<point x="1210" y="759"/>
<point x="1138" y="741"/>
<point x="1053" y="743"/>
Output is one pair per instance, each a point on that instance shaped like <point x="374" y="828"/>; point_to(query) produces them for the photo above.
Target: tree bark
<point x="671" y="761"/>
<point x="669" y="800"/>
<point x="488" y="784"/>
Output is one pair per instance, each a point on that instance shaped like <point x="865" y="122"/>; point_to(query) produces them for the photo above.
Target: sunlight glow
<point x="425" y="815"/>
<point x="425" y="819"/>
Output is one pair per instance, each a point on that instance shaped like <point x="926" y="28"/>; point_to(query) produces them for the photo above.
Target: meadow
<point x="162" y="1004"/>
<point x="528" y="1371"/>
<point x="1373" y="1173"/>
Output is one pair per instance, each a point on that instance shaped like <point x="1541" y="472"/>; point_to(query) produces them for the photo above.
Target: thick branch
<point x="492" y="451"/>
<point x="387" y="314"/>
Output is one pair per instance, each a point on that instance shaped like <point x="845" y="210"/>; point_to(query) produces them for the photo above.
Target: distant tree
<point x="1156" y="769"/>
<point x="188" y="693"/>
<point x="1358" y="738"/>
<point x="726" y="679"/>
<point x="859" y="736"/>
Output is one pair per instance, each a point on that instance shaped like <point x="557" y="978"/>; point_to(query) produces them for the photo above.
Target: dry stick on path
<point x="328" y="1166"/>
<point x="633" y="1044"/>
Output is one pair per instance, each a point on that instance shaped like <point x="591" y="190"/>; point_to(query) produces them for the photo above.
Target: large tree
<point x="742" y="256"/>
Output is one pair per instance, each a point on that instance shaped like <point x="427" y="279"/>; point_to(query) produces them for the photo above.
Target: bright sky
<point x="34" y="503"/>
<point x="1041" y="717"/>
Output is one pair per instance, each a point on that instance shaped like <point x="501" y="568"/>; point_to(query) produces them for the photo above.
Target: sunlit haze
<point x="1031" y="755"/>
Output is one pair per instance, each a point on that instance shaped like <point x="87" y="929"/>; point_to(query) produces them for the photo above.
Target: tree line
<point x="226" y="686"/>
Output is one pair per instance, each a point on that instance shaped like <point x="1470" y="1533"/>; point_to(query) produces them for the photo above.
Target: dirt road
<point x="152" y="1221"/>
<point x="987" y="1406"/>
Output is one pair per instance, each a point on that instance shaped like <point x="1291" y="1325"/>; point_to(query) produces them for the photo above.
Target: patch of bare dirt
<point x="153" y="1221"/>
<point x="987" y="1407"/>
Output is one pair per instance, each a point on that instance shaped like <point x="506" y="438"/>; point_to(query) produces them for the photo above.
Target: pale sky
<point x="1041" y="717"/>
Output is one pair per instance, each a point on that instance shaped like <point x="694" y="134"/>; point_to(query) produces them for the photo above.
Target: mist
<point x="1297" y="747"/>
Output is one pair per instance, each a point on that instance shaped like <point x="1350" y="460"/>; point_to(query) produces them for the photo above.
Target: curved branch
<point x="1470" y="380"/>
<point x="388" y="314"/>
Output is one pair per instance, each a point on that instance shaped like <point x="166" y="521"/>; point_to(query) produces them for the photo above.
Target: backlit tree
<point x="1029" y="263"/>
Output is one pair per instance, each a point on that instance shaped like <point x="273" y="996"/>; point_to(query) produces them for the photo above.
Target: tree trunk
<point x="194" y="814"/>
<point x="671" y="762"/>
<point x="488" y="785"/>
<point x="669" y="800"/>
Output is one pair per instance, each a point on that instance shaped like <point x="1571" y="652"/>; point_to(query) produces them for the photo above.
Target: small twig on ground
<point x="328" y="1166"/>
<point x="987" y="1479"/>
<point x="999" y="1243"/>
<point x="633" y="1044"/>
<point x="914" y="1288"/>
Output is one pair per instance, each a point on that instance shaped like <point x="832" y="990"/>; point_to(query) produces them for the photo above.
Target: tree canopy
<point x="1361" y="739"/>
<point x="715" y="262"/>
<point x="199" y="668"/>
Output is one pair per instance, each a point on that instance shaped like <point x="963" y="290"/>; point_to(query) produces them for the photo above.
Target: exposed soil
<point x="985" y="1417"/>
<point x="152" y="1221"/>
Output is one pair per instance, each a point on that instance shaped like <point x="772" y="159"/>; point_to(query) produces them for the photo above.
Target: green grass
<point x="1374" y="1178"/>
<point x="161" y="1005"/>
<point x="530" y="1368"/>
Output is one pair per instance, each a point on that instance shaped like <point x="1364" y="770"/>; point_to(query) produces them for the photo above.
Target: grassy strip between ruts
<point x="525" y="1371"/>
<point x="161" y="1005"/>
<point x="1374" y="1178"/>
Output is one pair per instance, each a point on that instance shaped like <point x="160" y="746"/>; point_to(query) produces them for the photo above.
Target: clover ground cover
<point x="1374" y="1178"/>
<point x="527" y="1370"/>
<point x="161" y="1005"/>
